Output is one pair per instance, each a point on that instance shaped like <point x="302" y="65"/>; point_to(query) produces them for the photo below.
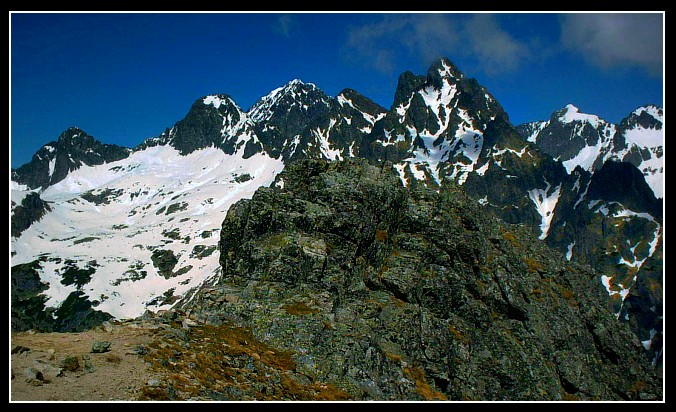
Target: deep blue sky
<point x="124" y="77"/>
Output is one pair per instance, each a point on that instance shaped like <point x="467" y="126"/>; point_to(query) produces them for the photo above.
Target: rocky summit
<point x="388" y="292"/>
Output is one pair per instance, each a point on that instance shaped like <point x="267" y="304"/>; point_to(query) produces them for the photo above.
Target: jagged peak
<point x="443" y="71"/>
<point x="571" y="113"/>
<point x="348" y="92"/>
<point x="351" y="97"/>
<point x="295" y="92"/>
<point x="445" y="67"/>
<point x="291" y="87"/>
<point x="652" y="110"/>
<point x="346" y="95"/>
<point x="299" y="82"/>
<point x="217" y="100"/>
<point x="71" y="134"/>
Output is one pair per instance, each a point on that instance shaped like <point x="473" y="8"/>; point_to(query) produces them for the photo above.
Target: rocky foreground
<point x="163" y="357"/>
<point x="393" y="293"/>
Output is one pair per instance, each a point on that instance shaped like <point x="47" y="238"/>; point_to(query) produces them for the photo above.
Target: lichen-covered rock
<point x="100" y="347"/>
<point x="391" y="293"/>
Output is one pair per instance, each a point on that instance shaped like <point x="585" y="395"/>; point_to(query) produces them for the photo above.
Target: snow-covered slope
<point x="114" y="217"/>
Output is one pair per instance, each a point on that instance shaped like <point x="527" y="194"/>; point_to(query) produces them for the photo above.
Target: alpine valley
<point x="431" y="250"/>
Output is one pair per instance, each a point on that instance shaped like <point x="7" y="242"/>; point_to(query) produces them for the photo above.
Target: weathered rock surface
<point x="391" y="293"/>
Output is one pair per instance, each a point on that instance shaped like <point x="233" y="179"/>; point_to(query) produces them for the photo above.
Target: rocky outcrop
<point x="212" y="121"/>
<point x="31" y="209"/>
<point x="393" y="293"/>
<point x="29" y="310"/>
<point x="74" y="148"/>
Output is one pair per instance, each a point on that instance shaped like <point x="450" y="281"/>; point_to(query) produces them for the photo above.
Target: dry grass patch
<point x="424" y="389"/>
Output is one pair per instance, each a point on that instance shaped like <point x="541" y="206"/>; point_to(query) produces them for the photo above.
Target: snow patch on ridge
<point x="545" y="203"/>
<point x="572" y="114"/>
<point x="214" y="100"/>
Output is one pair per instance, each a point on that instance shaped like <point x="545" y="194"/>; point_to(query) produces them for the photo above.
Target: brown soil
<point x="116" y="375"/>
<point x="158" y="361"/>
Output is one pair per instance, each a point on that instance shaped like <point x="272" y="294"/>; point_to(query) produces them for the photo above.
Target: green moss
<point x="275" y="241"/>
<point x="299" y="309"/>
<point x="214" y="369"/>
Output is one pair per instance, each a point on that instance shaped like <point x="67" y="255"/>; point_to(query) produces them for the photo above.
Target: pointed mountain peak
<point x="218" y="100"/>
<point x="348" y="93"/>
<point x="299" y="82"/>
<point x="74" y="134"/>
<point x="645" y="117"/>
<point x="353" y="98"/>
<point x="73" y="149"/>
<point x="652" y="110"/>
<point x="444" y="68"/>
<point x="443" y="71"/>
<point x="407" y="84"/>
<point x="214" y="120"/>
<point x="295" y="94"/>
<point x="294" y="87"/>
<point x="571" y="113"/>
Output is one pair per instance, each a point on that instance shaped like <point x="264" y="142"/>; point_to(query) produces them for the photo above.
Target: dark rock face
<point x="568" y="132"/>
<point x="31" y="210"/>
<point x="391" y="293"/>
<point x="286" y="114"/>
<point x="213" y="121"/>
<point x="75" y="314"/>
<point x="55" y="160"/>
<point x="622" y="182"/>
<point x="642" y="119"/>
<point x="26" y="302"/>
<point x="616" y="227"/>
<point x="299" y="121"/>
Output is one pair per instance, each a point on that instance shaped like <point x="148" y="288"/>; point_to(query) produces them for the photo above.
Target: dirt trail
<point x="118" y="374"/>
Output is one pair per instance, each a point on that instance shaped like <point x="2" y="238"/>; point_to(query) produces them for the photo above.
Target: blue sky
<point x="124" y="77"/>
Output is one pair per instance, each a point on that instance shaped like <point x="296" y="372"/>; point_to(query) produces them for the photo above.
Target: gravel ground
<point x="62" y="366"/>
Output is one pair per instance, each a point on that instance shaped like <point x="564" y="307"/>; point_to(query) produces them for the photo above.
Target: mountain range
<point x="100" y="231"/>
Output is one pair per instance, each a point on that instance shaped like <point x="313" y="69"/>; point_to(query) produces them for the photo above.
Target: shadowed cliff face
<point x="391" y="293"/>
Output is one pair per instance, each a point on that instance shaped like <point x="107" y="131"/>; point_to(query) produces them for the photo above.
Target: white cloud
<point x="496" y="50"/>
<point x="372" y="41"/>
<point x="430" y="36"/>
<point x="284" y="25"/>
<point x="617" y="39"/>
